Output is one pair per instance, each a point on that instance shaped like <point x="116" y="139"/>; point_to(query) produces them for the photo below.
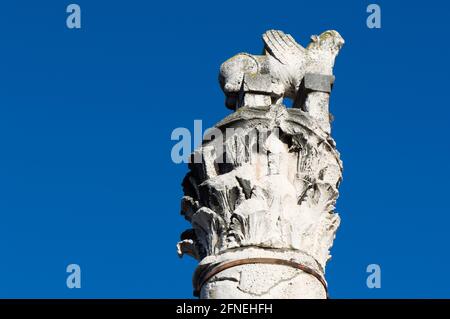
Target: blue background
<point x="86" y="117"/>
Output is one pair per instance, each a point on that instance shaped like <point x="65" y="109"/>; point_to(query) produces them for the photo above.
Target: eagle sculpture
<point x="279" y="72"/>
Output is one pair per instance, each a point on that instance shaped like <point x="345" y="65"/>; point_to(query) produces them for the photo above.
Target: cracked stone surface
<point x="266" y="187"/>
<point x="259" y="282"/>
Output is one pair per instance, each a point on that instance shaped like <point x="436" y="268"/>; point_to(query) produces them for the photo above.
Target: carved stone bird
<point x="283" y="65"/>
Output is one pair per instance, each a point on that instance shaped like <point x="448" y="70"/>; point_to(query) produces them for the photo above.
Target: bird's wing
<point x="282" y="46"/>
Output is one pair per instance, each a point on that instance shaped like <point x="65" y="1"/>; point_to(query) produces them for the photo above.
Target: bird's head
<point x="328" y="40"/>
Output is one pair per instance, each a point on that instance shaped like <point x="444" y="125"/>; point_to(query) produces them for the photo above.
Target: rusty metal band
<point x="214" y="269"/>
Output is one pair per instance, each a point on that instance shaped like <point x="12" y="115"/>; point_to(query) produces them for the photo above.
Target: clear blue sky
<point x="86" y="116"/>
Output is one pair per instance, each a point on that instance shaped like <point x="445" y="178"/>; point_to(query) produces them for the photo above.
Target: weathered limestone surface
<point x="261" y="195"/>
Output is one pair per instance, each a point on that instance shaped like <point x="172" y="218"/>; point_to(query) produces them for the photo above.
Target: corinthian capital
<point x="261" y="195"/>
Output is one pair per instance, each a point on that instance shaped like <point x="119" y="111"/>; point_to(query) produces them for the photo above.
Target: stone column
<point x="260" y="196"/>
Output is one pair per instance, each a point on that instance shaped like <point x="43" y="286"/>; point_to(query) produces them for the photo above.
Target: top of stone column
<point x="262" y="188"/>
